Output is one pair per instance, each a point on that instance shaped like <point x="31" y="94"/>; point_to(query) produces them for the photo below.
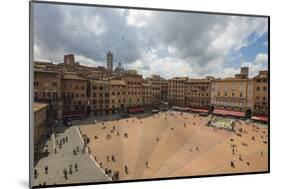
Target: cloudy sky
<point x="152" y="42"/>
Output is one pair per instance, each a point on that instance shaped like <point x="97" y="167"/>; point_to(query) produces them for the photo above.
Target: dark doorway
<point x="89" y="110"/>
<point x="248" y="113"/>
<point x="212" y="108"/>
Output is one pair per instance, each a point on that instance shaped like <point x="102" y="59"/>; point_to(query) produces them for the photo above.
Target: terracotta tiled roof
<point x="72" y="77"/>
<point x="45" y="71"/>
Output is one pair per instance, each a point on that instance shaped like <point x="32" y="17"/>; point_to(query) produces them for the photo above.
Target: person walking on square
<point x="76" y="167"/>
<point x="70" y="169"/>
<point x="46" y="169"/>
<point x="240" y="157"/>
<point x="113" y="158"/>
<point x="126" y="169"/>
<point x="232" y="164"/>
<point x="65" y="173"/>
<point x="35" y="173"/>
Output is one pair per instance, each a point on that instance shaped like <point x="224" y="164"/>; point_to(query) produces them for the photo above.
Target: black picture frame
<point x="135" y="8"/>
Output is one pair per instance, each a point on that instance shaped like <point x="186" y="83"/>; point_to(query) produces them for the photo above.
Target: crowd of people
<point x="240" y="132"/>
<point x="66" y="171"/>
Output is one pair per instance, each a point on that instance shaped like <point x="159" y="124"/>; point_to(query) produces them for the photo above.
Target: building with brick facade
<point x="74" y="93"/>
<point x="261" y="93"/>
<point x="198" y="93"/>
<point x="69" y="87"/>
<point x="133" y="89"/>
<point x="147" y="93"/>
<point x="117" y="96"/>
<point x="69" y="59"/>
<point x="244" y="73"/>
<point x="162" y="85"/>
<point x="164" y="90"/>
<point x="40" y="122"/>
<point x="99" y="98"/>
<point x="176" y="91"/>
<point x="48" y="89"/>
<point x="232" y="93"/>
<point x="156" y="93"/>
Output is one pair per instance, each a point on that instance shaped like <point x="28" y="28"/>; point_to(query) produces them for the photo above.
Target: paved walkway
<point x="88" y="171"/>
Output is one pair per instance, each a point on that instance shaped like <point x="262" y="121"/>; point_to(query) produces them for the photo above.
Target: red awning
<point x="220" y="112"/>
<point x="228" y="113"/>
<point x="73" y="114"/>
<point x="259" y="118"/>
<point x="200" y="110"/>
<point x="135" y="110"/>
<point x="180" y="108"/>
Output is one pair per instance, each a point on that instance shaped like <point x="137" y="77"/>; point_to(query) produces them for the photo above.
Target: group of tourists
<point x="70" y="171"/>
<point x="61" y="142"/>
<point x="239" y="133"/>
<point x="65" y="172"/>
<point x="112" y="158"/>
<point x="114" y="175"/>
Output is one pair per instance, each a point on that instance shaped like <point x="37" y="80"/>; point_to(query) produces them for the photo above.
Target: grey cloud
<point x="186" y="32"/>
<point x="60" y="29"/>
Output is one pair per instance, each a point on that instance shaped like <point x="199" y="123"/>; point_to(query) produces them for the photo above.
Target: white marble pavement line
<point x="87" y="170"/>
<point x="78" y="130"/>
<point x="53" y="138"/>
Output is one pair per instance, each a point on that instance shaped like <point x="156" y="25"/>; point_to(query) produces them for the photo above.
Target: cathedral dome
<point x="119" y="69"/>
